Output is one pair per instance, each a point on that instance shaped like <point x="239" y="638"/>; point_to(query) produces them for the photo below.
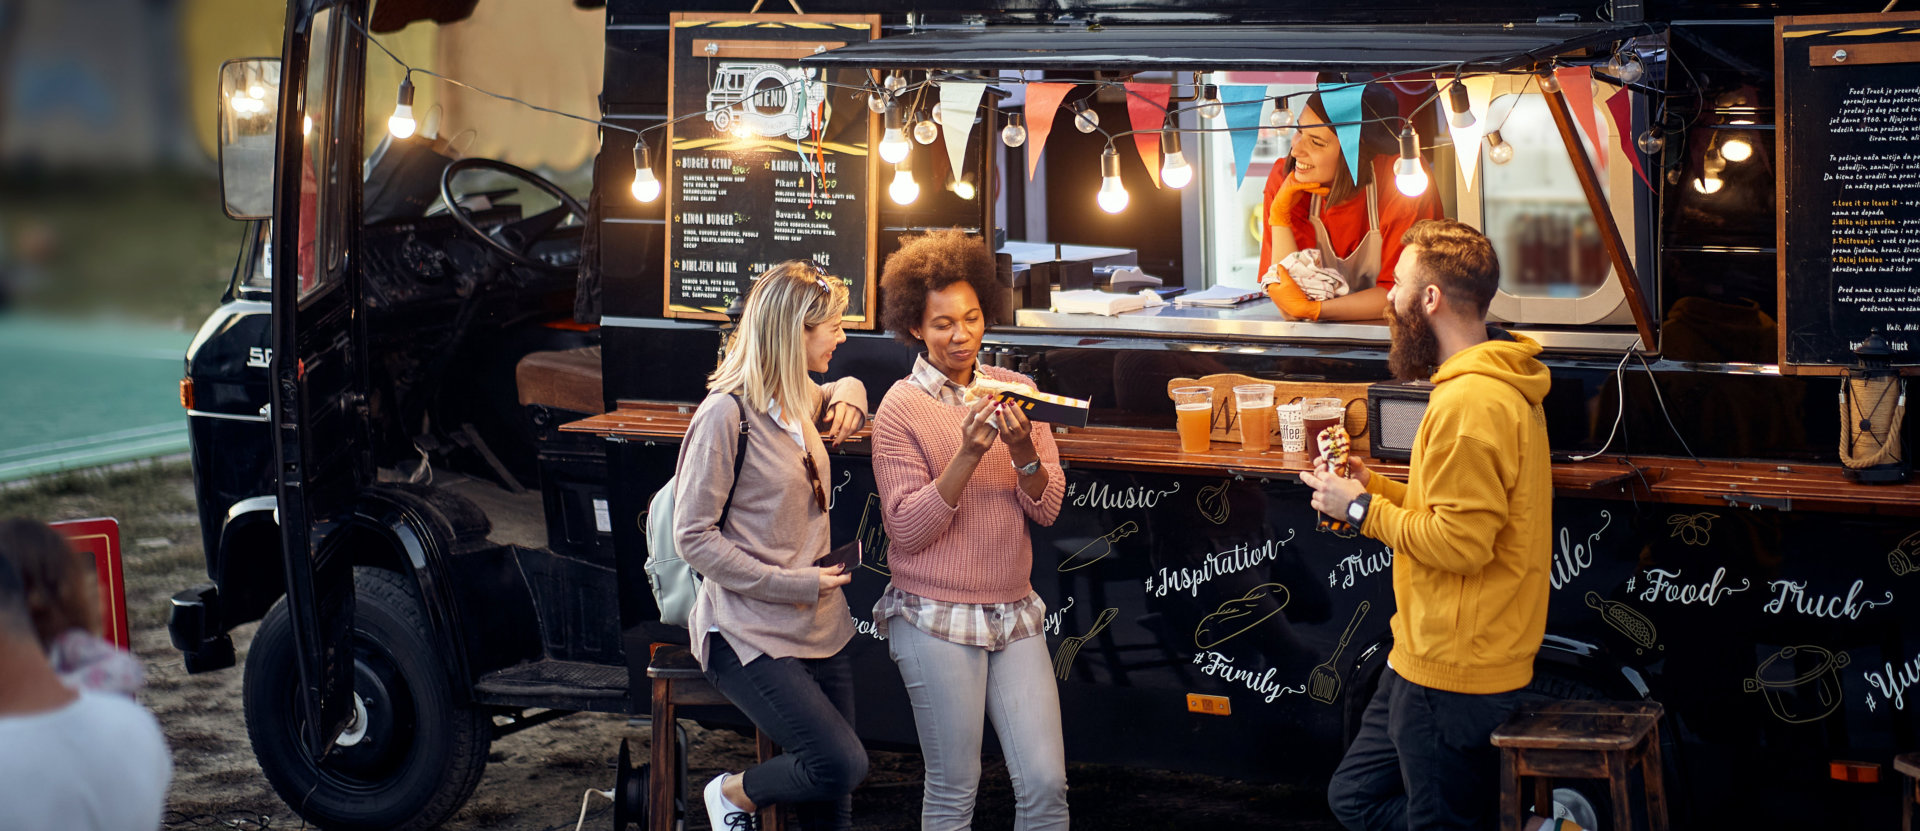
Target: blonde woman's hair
<point x="766" y="356"/>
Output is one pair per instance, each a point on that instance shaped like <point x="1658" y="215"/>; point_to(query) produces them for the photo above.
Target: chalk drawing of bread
<point x="1237" y="616"/>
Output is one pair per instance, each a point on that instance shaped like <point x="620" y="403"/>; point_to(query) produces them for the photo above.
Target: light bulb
<point x="256" y="92"/>
<point x="896" y="82"/>
<point x="1736" y="150"/>
<point x="877" y="102"/>
<point x="646" y="187"/>
<point x="924" y="131"/>
<point x="1209" y="102"/>
<point x="1651" y="141"/>
<point x="1549" y="83"/>
<point x="904" y="189"/>
<point x="1281" y="116"/>
<point x="1462" y="110"/>
<point x="938" y="118"/>
<point x="401" y="123"/>
<point x="963" y="189"/>
<point x="306" y="126"/>
<point x="1709" y="184"/>
<point x="1498" y="150"/>
<point x="1015" y="133"/>
<point x="1113" y="196"/>
<point x="1408" y="175"/>
<point x="1174" y="170"/>
<point x="1084" y="118"/>
<point x="893" y="145"/>
<point x="1626" y="66"/>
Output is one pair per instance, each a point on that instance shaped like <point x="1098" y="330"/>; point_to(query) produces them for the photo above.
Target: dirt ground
<point x="535" y="779"/>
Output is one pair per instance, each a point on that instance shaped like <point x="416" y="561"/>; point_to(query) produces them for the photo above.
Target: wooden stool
<point x="1582" y="740"/>
<point x="1909" y="766"/>
<point x="678" y="681"/>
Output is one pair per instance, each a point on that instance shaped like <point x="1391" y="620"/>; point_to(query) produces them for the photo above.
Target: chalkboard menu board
<point x="766" y="163"/>
<point x="1848" y="110"/>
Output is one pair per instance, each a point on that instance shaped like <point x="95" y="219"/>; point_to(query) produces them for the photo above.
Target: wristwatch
<point x="1357" y="510"/>
<point x="1027" y="469"/>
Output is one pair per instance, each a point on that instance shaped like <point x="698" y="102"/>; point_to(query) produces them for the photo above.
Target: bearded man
<point x="1471" y="531"/>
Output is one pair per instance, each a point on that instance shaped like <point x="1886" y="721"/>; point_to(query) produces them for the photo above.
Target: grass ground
<point x="154" y="246"/>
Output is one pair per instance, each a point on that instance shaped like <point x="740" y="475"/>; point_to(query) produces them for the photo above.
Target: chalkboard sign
<point x="1848" y="108"/>
<point x="767" y="161"/>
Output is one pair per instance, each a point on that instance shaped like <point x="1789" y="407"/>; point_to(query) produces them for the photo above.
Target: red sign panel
<point x="101" y="538"/>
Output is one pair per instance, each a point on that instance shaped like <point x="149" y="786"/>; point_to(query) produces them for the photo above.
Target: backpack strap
<point x="739" y="459"/>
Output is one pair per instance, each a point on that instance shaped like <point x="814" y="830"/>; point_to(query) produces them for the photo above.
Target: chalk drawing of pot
<point x="1798" y="696"/>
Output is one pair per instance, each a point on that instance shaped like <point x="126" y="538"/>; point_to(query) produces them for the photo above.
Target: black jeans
<point x="1422" y="760"/>
<point x="806" y="707"/>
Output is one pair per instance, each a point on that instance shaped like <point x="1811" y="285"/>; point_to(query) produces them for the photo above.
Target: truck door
<point x="319" y="370"/>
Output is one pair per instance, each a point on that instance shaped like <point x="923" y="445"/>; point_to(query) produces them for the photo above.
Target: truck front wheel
<point x="411" y="757"/>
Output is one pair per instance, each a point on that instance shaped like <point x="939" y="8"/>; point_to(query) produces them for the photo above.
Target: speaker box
<point x="1394" y="411"/>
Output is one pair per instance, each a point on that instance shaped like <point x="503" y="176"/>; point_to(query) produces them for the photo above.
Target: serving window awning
<point x="1211" y="48"/>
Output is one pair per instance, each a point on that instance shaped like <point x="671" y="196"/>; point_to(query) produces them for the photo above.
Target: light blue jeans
<point x="952" y="687"/>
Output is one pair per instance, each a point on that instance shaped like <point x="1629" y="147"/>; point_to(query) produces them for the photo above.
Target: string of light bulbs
<point x="885" y="98"/>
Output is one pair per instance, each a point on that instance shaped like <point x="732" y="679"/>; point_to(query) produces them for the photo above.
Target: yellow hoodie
<point x="1472" y="529"/>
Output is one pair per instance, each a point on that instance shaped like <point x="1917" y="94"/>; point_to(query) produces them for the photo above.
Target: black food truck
<point x="428" y="417"/>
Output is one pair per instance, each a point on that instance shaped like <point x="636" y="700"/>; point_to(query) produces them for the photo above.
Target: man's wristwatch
<point x="1357" y="510"/>
<point x="1027" y="469"/>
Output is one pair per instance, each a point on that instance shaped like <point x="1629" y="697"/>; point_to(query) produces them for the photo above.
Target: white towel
<point x="1315" y="281"/>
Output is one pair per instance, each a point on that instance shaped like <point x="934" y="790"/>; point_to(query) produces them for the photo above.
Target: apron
<point x="1361" y="269"/>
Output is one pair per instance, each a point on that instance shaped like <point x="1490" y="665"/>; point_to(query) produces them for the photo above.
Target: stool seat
<point x="1580" y="725"/>
<point x="1582" y="740"/>
<point x="1908" y="764"/>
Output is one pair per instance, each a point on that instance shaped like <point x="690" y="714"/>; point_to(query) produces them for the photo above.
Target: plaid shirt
<point x="988" y="625"/>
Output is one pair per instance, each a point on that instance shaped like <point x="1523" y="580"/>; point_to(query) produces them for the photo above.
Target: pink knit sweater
<point x="978" y="552"/>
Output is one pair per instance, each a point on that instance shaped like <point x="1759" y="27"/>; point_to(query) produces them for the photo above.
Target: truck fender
<point x="414" y="531"/>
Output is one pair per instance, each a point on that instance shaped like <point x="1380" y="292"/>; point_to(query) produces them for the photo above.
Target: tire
<point x="421" y="755"/>
<point x="722" y="119"/>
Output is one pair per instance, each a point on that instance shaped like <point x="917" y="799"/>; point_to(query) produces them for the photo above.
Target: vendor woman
<point x="1331" y="243"/>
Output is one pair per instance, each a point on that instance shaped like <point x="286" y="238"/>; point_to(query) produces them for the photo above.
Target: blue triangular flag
<point x="1243" y="117"/>
<point x="1343" y="108"/>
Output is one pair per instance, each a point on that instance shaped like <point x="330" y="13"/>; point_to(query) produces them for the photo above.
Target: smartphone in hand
<point x="845" y="557"/>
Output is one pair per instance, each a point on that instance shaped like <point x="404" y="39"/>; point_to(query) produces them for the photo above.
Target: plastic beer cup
<point x="1256" y="415"/>
<point x="1193" y="407"/>
<point x="1317" y="414"/>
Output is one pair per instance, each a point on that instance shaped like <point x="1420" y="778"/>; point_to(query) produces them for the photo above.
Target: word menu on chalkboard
<point x="767" y="161"/>
<point x="1848" y="110"/>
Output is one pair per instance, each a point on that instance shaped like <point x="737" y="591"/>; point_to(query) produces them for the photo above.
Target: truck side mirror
<point x="249" y="114"/>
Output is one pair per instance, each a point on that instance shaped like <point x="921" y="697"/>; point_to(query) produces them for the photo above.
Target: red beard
<point x="1415" y="352"/>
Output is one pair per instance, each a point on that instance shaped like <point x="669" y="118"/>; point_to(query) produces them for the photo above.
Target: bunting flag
<point x="958" y="104"/>
<point x="1576" y="85"/>
<point x="1466" y="140"/>
<point x="1304" y="79"/>
<point x="1621" y="105"/>
<point x="1242" y="106"/>
<point x="1043" y="103"/>
<point x="1343" y="108"/>
<point x="1147" y="109"/>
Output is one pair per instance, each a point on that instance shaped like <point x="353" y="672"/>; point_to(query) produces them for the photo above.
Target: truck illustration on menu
<point x="764" y="99"/>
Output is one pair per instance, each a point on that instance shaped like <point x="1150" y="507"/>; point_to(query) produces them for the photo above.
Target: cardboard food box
<point x="1052" y="409"/>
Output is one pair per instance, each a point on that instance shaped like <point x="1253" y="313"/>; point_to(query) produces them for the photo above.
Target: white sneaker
<point x="722" y="814"/>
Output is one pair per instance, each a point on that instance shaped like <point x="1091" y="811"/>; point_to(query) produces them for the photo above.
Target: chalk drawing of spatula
<point x="1070" y="648"/>
<point x="1098" y="550"/>
<point x="1323" y="684"/>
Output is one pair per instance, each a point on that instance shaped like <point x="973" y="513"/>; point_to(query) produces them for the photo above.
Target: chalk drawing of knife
<point x="1097" y="550"/>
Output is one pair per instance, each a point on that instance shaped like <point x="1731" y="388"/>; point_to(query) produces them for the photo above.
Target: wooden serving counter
<point x="1649" y="478"/>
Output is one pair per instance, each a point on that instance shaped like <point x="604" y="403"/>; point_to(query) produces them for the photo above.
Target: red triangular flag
<point x="1147" y="109"/>
<point x="1622" y="108"/>
<point x="1576" y="84"/>
<point x="1043" y="103"/>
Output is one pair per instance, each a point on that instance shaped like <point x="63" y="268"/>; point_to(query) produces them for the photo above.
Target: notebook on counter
<point x="1221" y="296"/>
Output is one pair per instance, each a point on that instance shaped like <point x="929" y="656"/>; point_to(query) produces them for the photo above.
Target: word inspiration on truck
<point x="1238" y="558"/>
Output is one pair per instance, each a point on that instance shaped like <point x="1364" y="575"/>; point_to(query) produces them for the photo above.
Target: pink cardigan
<point x="978" y="552"/>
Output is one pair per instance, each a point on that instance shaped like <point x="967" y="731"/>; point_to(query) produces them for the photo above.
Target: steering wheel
<point x="514" y="241"/>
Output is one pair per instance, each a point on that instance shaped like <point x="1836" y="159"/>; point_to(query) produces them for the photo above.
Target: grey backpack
<point x="675" y="584"/>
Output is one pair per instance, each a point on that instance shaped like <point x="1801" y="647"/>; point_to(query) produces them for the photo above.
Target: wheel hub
<point x="356" y="726"/>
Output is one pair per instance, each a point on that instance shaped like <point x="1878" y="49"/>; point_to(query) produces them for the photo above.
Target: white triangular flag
<point x="1466" y="140"/>
<point x="959" y="102"/>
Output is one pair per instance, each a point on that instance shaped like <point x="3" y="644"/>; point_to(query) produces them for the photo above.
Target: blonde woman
<point x="770" y="628"/>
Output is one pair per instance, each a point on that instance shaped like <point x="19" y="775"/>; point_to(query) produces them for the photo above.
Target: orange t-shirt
<point x="1347" y="222"/>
